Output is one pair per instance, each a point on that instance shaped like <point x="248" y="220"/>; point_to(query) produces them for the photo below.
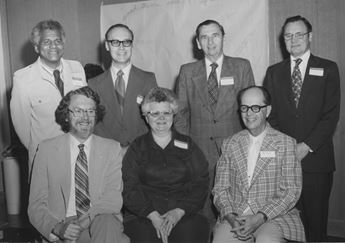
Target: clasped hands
<point x="71" y="230"/>
<point x="166" y="222"/>
<point x="243" y="227"/>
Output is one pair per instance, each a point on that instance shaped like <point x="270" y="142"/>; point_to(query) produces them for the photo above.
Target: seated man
<point x="76" y="185"/>
<point x="258" y="179"/>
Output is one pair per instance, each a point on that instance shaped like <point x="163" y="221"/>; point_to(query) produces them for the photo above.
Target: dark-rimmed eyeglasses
<point x="254" y="108"/>
<point x="156" y="114"/>
<point x="117" y="43"/>
<point x="78" y="112"/>
<point x="297" y="36"/>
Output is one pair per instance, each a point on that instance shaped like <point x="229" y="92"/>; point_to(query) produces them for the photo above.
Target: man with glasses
<point x="76" y="185"/>
<point x="122" y="88"/>
<point x="258" y="179"/>
<point x="305" y="93"/>
<point x="207" y="92"/>
<point x="39" y="87"/>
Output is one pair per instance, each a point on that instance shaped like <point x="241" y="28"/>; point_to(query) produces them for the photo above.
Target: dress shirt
<point x="157" y="179"/>
<point x="125" y="75"/>
<point x="71" y="209"/>
<point x="218" y="70"/>
<point x="50" y="70"/>
<point x="303" y="65"/>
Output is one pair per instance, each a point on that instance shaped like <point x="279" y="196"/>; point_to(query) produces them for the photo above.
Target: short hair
<point x="267" y="97"/>
<point x="62" y="112"/>
<point x="295" y="19"/>
<point x="208" y="22"/>
<point x="50" y="24"/>
<point x="158" y="95"/>
<point x="119" y="26"/>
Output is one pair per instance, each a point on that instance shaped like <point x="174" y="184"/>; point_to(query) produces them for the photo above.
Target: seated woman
<point x="165" y="179"/>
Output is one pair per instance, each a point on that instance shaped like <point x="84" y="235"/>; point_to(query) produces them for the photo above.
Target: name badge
<point x="227" y="81"/>
<point x="140" y="99"/>
<point x="267" y="154"/>
<point x="316" y="71"/>
<point x="180" y="144"/>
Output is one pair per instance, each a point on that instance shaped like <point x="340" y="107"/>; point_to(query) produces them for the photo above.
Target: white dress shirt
<point x="218" y="70"/>
<point x="125" y="71"/>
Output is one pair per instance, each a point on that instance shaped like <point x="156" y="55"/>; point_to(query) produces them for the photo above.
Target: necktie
<point x="296" y="81"/>
<point x="82" y="198"/>
<point x="58" y="81"/>
<point x="120" y="89"/>
<point x="212" y="85"/>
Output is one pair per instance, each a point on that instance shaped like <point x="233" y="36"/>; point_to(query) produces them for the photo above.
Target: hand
<point x="157" y="222"/>
<point x="84" y="221"/>
<point x="248" y="225"/>
<point x="231" y="218"/>
<point x="68" y="230"/>
<point x="302" y="150"/>
<point x="171" y="218"/>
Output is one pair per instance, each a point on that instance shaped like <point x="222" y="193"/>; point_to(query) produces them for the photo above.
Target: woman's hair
<point x="158" y="95"/>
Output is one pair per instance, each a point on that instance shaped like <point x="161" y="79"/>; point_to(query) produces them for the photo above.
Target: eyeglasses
<point x="254" y="108"/>
<point x="78" y="112"/>
<point x="117" y="43"/>
<point x="298" y="36"/>
<point x="156" y="114"/>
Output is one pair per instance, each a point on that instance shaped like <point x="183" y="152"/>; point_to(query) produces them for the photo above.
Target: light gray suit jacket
<point x="196" y="117"/>
<point x="51" y="180"/>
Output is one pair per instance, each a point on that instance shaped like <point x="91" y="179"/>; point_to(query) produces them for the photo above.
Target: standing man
<point x="207" y="90"/>
<point x="305" y="93"/>
<point x="76" y="184"/>
<point x="39" y="87"/>
<point x="122" y="89"/>
<point x="258" y="180"/>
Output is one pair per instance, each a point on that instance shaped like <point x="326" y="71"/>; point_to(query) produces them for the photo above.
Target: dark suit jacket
<point x="196" y="118"/>
<point x="123" y="128"/>
<point x="316" y="117"/>
<point x="51" y="181"/>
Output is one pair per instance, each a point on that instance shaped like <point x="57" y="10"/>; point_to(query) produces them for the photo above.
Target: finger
<point x="238" y="228"/>
<point x="158" y="233"/>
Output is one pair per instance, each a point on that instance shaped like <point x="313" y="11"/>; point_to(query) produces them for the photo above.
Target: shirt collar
<point x="49" y="69"/>
<point x="125" y="70"/>
<point x="219" y="61"/>
<point x="75" y="142"/>
<point x="304" y="57"/>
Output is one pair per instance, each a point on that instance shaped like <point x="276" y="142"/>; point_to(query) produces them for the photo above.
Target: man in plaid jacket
<point x="258" y="179"/>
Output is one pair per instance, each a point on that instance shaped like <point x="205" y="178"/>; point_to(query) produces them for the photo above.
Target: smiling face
<point x="160" y="125"/>
<point x="81" y="127"/>
<point x="121" y="55"/>
<point x="50" y="47"/>
<point x="254" y="122"/>
<point x="297" y="46"/>
<point x="210" y="40"/>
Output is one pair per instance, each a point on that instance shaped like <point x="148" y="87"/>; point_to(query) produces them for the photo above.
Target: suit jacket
<point x="315" y="119"/>
<point x="126" y="127"/>
<point x="275" y="186"/>
<point x="35" y="98"/>
<point x="196" y="118"/>
<point x="51" y="180"/>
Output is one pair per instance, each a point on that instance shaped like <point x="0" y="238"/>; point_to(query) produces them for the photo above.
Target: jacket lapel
<point x="64" y="165"/>
<point x="96" y="166"/>
<point x="286" y="82"/>
<point x="242" y="159"/>
<point x="200" y="81"/>
<point x="307" y="82"/>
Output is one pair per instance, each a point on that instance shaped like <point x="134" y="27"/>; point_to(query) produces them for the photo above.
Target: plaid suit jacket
<point x="275" y="187"/>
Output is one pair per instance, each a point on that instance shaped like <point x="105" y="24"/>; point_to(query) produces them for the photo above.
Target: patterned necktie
<point x="212" y="85"/>
<point x="82" y="198"/>
<point x="58" y="81"/>
<point x="296" y="81"/>
<point x="120" y="89"/>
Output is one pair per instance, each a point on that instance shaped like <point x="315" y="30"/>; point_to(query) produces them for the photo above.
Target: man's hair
<point x="119" y="26"/>
<point x="158" y="95"/>
<point x="267" y="97"/>
<point x="208" y="22"/>
<point x="295" y="19"/>
<point x="62" y="111"/>
<point x="50" y="24"/>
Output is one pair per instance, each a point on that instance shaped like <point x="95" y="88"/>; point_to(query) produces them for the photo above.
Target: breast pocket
<point x="44" y="107"/>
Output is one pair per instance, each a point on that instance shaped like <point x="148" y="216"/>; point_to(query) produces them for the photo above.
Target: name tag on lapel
<point x="227" y="81"/>
<point x="267" y="154"/>
<point x="77" y="79"/>
<point x="180" y="144"/>
<point x="316" y="71"/>
<point x="139" y="99"/>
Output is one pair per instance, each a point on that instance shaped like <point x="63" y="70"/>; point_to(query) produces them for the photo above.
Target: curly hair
<point x="50" y="24"/>
<point x="159" y="94"/>
<point x="62" y="112"/>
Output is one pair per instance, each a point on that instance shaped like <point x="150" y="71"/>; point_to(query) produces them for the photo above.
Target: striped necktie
<point x="296" y="78"/>
<point x="82" y="198"/>
<point x="212" y="85"/>
<point x="58" y="81"/>
<point x="120" y="89"/>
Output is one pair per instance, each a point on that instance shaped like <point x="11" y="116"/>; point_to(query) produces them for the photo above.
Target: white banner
<point x="164" y="32"/>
